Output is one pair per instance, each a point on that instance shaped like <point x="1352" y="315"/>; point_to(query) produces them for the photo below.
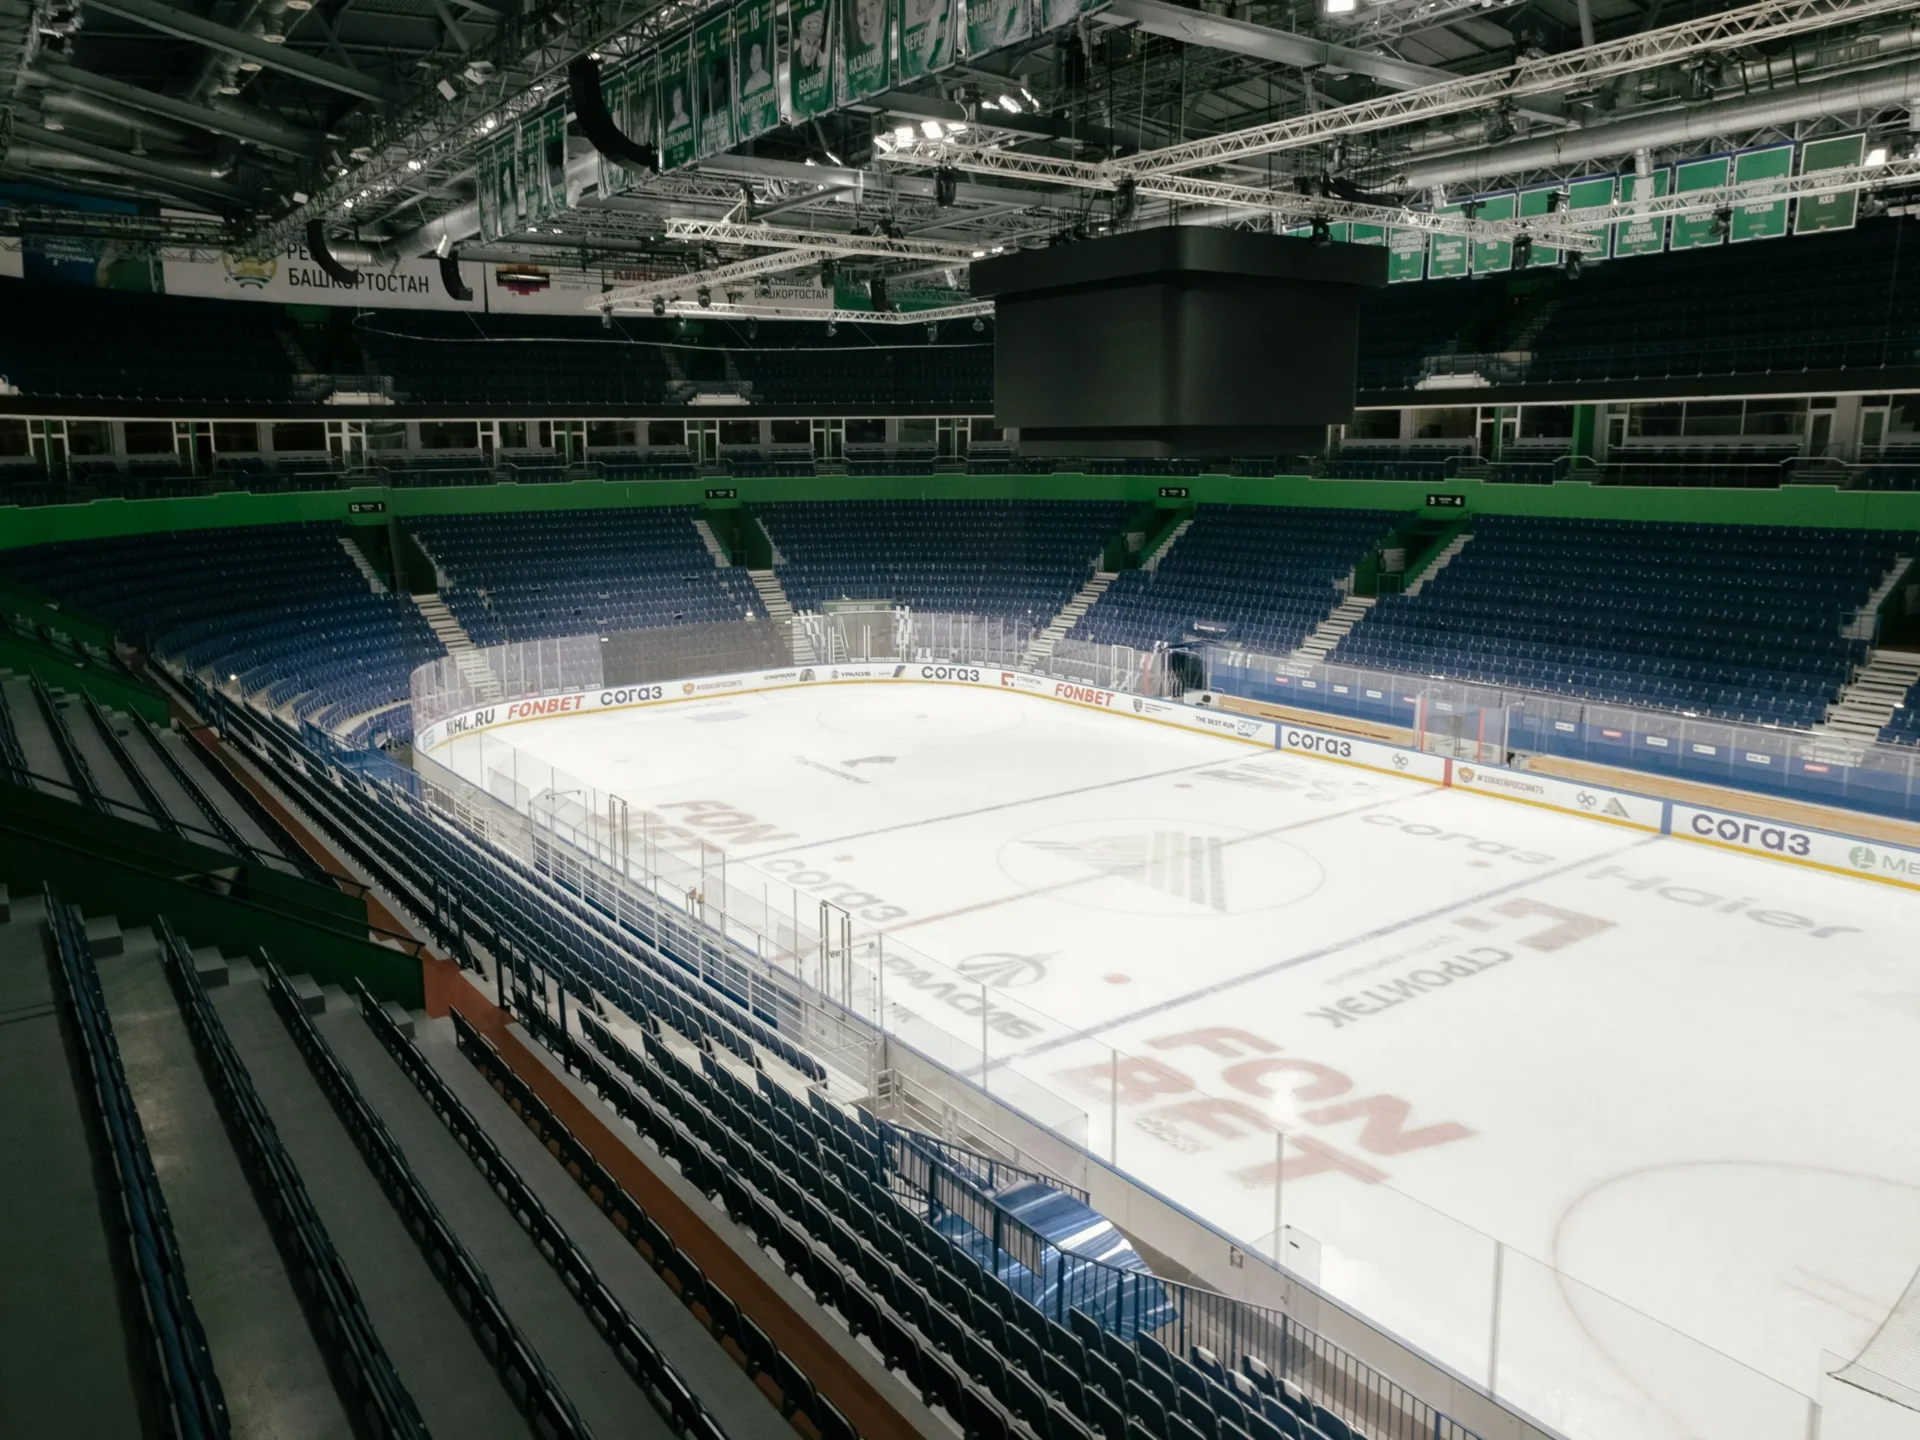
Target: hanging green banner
<point x="1053" y="14"/>
<point x="713" y="92"/>
<point x="677" y="141"/>
<point x="925" y="35"/>
<point x="1692" y="231"/>
<point x="615" y="89"/>
<point x="553" y="158"/>
<point x="810" y="58"/>
<point x="1643" y="234"/>
<point x="992" y="24"/>
<point x="499" y="196"/>
<point x="1447" y="255"/>
<point x="1359" y="234"/>
<point x="1761" y="219"/>
<point x="1829" y="212"/>
<point x="530" y="161"/>
<point x="1591" y="193"/>
<point x="1493" y="255"/>
<point x="753" y="57"/>
<point x="1406" y="255"/>
<point x="863" y="49"/>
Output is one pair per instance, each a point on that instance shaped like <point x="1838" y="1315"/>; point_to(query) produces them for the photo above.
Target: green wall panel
<point x="1789" y="505"/>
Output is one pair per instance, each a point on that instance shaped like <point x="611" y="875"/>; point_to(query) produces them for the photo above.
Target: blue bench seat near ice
<point x="1266" y="573"/>
<point x="576" y="572"/>
<point x="281" y="608"/>
<point x="1017" y="558"/>
<point x="1734" y="622"/>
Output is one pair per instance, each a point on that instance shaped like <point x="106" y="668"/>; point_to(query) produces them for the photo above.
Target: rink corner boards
<point x="1820" y="849"/>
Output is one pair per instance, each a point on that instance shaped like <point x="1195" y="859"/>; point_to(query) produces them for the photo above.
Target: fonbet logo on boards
<point x="1160" y="867"/>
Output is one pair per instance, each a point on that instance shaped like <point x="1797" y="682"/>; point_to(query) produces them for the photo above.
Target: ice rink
<point x="1557" y="1095"/>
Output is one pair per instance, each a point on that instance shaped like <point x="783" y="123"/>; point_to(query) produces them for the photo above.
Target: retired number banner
<point x="758" y="108"/>
<point x="677" y="140"/>
<point x="925" y="31"/>
<point x="810" y="45"/>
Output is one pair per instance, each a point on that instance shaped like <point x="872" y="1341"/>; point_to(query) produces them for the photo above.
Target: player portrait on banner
<point x="992" y="24"/>
<point x="925" y="30"/>
<point x="676" y="104"/>
<point x="713" y="49"/>
<point x="759" y="103"/>
<point x="810" y="57"/>
<point x="863" y="49"/>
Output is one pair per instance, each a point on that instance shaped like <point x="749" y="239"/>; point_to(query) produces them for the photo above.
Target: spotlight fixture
<point x="979" y="325"/>
<point x="445" y="87"/>
<point x="1321" y="233"/>
<point x="946" y="186"/>
<point x="1722" y="223"/>
<point x="1522" y="251"/>
<point x="705" y="297"/>
<point x="606" y="319"/>
<point x="659" y="305"/>
<point x="1124" y="198"/>
<point x="753" y="329"/>
<point x="1573" y="265"/>
<point x="832" y="329"/>
<point x="933" y="333"/>
<point x="1556" y="201"/>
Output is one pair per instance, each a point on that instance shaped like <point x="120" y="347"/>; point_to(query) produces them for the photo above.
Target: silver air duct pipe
<point x="1869" y="90"/>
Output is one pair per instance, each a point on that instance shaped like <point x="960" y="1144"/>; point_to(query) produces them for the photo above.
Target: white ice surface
<point x="1669" y="1080"/>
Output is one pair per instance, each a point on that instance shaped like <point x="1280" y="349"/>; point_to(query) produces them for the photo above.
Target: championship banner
<point x="992" y="24"/>
<point x="809" y="58"/>
<point x="1406" y="255"/>
<point x="1587" y="194"/>
<point x="1643" y="235"/>
<point x="1447" y="255"/>
<point x="1693" y="231"/>
<point x="1766" y="219"/>
<point x="925" y="31"/>
<point x="1493" y="255"/>
<point x="758" y="107"/>
<point x="713" y="53"/>
<point x="863" y="49"/>
<point x="1829" y="212"/>
<point x="1056" y="13"/>
<point x="677" y="141"/>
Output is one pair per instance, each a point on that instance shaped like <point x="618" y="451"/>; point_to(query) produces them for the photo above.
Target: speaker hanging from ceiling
<point x="322" y="255"/>
<point x="596" y="121"/>
<point x="456" y="288"/>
